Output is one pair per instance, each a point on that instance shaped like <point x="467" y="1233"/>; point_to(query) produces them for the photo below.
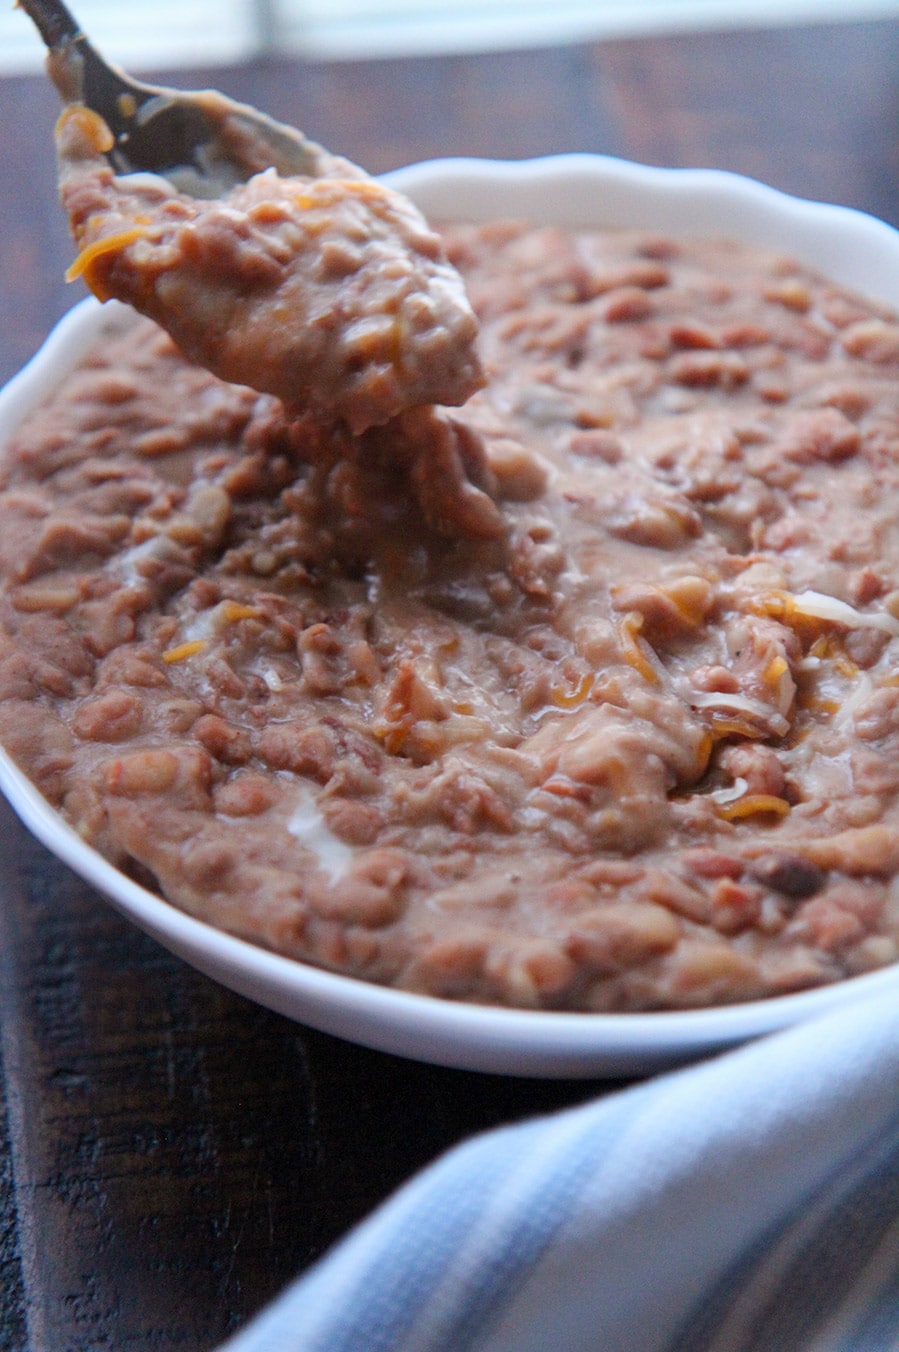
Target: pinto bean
<point x="792" y="875"/>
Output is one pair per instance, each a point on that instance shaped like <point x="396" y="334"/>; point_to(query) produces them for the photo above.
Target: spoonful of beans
<point x="269" y="260"/>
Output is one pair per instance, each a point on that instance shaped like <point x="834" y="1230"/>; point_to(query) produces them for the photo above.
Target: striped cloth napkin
<point x="747" y="1204"/>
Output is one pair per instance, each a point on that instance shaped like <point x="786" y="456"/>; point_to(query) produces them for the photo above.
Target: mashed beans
<point x="328" y="290"/>
<point x="635" y="746"/>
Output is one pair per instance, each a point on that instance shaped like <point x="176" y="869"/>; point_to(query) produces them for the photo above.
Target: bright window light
<point x="147" y="34"/>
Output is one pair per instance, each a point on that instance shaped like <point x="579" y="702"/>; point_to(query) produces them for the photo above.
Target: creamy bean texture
<point x="634" y="747"/>
<point x="329" y="291"/>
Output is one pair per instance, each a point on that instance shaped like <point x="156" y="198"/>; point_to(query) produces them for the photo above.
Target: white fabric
<point x="747" y="1204"/>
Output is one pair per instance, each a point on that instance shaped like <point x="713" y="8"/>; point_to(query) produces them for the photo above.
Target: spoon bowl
<point x="203" y="142"/>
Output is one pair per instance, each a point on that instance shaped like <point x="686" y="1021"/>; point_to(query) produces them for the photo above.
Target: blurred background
<point x="153" y="33"/>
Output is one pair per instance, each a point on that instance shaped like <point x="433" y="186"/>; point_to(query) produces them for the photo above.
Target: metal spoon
<point x="203" y="142"/>
<point x="377" y="340"/>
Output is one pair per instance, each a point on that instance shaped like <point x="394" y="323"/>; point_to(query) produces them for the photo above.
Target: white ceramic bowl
<point x="855" y="250"/>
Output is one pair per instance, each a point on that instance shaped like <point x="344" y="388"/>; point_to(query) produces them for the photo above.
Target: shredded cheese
<point x="733" y="705"/>
<point x="570" y="699"/>
<point x="814" y="605"/>
<point x="776" y="668"/>
<point x="754" y="805"/>
<point x="232" y="611"/>
<point x="828" y="647"/>
<point x="183" y="650"/>
<point x="723" y="727"/>
<point x="109" y="244"/>
<point x="634" y="649"/>
<point x="823" y="607"/>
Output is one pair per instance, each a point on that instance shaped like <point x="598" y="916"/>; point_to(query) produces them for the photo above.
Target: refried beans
<point x="330" y="290"/>
<point x="635" y="748"/>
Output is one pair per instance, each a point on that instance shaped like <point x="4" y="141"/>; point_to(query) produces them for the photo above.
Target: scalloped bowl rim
<point x="444" y="1032"/>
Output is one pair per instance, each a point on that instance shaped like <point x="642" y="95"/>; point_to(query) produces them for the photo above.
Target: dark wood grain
<point x="177" y="1153"/>
<point x="170" y="1154"/>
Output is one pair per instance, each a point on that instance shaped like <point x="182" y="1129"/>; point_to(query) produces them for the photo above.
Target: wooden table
<point x="170" y="1154"/>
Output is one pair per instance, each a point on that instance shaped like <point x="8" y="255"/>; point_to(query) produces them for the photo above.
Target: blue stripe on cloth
<point x="600" y="1229"/>
<point x="519" y="1185"/>
<point x="795" y="1289"/>
<point x="520" y="1226"/>
<point x="878" y="1329"/>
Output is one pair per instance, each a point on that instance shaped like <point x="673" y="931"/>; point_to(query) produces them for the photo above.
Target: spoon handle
<point x="170" y="137"/>
<point x="203" y="142"/>
<point x="53" y="21"/>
